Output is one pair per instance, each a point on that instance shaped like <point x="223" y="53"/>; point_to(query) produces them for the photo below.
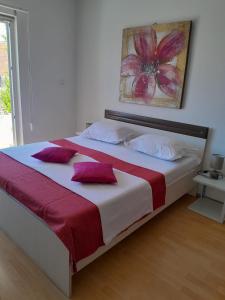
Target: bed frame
<point x="36" y="239"/>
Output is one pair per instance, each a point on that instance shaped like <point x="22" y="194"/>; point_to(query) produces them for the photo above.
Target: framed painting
<point x="153" y="64"/>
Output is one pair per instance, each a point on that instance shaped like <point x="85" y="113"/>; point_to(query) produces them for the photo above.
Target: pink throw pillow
<point x="93" y="172"/>
<point x="55" y="155"/>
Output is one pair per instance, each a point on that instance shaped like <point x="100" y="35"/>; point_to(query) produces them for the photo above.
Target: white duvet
<point x="119" y="205"/>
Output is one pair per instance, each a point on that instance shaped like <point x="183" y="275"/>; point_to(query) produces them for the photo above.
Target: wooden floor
<point x="177" y="255"/>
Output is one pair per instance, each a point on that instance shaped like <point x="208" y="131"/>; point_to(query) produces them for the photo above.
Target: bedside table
<point x="208" y="207"/>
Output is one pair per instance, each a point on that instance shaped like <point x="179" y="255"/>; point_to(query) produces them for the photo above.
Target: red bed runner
<point x="74" y="219"/>
<point x="155" y="179"/>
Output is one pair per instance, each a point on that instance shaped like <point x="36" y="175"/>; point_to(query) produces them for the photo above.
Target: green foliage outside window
<point x="5" y="97"/>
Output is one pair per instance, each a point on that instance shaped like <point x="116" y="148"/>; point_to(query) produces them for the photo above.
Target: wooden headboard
<point x="177" y="127"/>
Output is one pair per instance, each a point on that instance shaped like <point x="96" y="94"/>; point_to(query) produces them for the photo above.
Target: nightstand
<point x="208" y="207"/>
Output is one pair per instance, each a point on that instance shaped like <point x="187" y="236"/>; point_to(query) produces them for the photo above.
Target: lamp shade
<point x="216" y="162"/>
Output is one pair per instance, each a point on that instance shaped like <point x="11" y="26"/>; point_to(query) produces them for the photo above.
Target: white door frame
<point x="20" y="71"/>
<point x="10" y="22"/>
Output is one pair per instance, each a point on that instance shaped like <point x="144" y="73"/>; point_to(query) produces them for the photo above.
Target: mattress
<point x="172" y="170"/>
<point x="116" y="212"/>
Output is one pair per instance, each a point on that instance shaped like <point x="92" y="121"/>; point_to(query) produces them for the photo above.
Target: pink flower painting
<point x="154" y="63"/>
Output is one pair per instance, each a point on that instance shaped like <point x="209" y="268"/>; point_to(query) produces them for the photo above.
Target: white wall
<point x="52" y="40"/>
<point x="100" y="24"/>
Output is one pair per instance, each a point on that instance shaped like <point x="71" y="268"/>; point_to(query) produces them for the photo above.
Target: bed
<point x="39" y="242"/>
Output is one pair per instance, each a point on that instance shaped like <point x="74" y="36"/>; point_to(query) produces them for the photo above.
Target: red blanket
<point x="74" y="219"/>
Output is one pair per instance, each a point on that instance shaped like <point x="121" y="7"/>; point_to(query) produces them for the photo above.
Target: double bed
<point x="122" y="208"/>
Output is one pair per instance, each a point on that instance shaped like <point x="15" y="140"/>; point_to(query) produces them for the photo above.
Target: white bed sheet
<point x="118" y="205"/>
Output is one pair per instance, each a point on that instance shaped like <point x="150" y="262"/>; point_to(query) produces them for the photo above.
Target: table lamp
<point x="216" y="164"/>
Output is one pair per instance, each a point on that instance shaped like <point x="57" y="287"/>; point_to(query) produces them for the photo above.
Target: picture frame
<point x="153" y="64"/>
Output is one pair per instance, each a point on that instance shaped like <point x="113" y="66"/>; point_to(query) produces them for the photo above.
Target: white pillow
<point x="159" y="146"/>
<point x="107" y="132"/>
